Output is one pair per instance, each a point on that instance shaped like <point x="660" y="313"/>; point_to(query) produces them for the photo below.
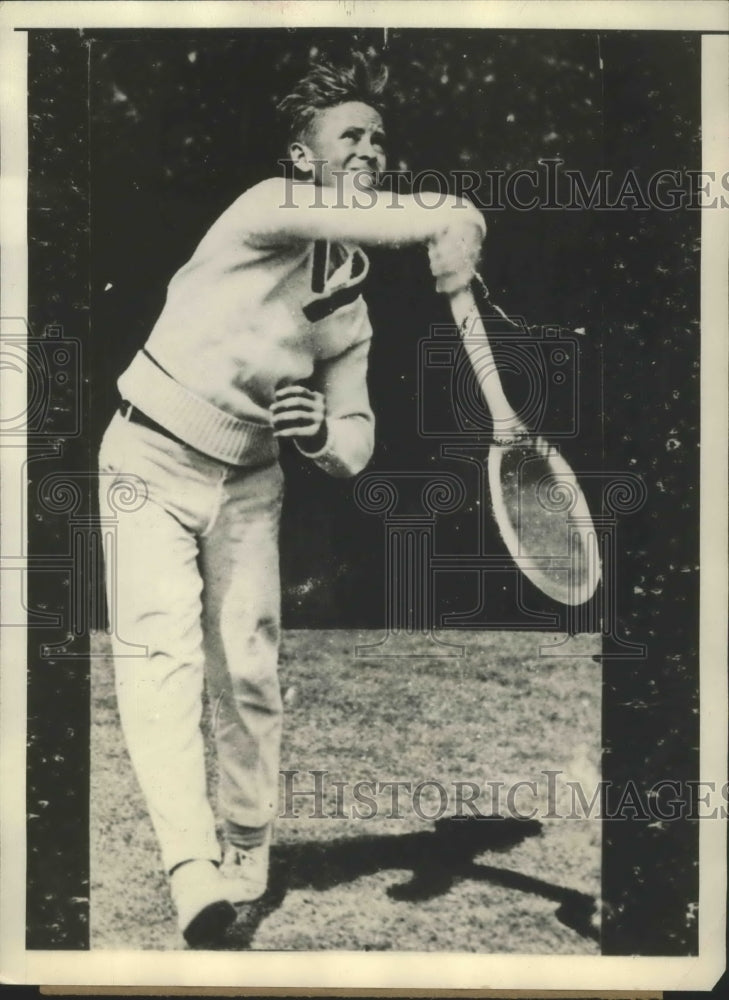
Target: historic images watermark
<point x="548" y="186"/>
<point x="551" y="795"/>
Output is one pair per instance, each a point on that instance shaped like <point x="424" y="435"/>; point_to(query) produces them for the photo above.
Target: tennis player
<point x="270" y="300"/>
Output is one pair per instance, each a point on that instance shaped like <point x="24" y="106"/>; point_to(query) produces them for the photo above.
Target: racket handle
<point x="475" y="340"/>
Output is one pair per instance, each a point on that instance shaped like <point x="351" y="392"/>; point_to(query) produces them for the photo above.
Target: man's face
<point x="347" y="137"/>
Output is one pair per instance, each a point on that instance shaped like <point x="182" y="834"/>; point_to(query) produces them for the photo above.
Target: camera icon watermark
<point x="41" y="382"/>
<point x="538" y="366"/>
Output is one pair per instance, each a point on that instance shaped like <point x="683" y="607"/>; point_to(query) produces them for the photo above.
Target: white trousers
<point x="192" y="567"/>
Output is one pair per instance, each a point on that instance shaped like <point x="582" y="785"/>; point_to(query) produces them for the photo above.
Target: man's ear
<point x="302" y="157"/>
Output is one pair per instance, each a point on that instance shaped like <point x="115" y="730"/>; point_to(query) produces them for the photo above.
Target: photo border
<point x="328" y="971"/>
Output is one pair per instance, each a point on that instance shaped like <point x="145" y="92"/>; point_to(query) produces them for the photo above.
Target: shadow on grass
<point x="438" y="859"/>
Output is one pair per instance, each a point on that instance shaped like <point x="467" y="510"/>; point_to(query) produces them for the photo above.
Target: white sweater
<point x="250" y="312"/>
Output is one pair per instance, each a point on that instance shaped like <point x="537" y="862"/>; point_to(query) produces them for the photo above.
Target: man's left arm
<point x="331" y="423"/>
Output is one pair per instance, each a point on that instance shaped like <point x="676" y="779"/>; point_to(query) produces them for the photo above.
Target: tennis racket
<point x="537" y="502"/>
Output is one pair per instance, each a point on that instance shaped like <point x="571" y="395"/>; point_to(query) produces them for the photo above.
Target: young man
<point x="269" y="299"/>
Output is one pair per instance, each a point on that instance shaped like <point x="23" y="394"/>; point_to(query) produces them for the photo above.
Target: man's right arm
<point x="284" y="209"/>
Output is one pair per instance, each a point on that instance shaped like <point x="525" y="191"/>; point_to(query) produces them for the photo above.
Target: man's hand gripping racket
<point x="538" y="504"/>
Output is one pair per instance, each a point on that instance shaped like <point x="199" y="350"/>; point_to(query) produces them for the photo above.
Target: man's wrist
<point x="313" y="445"/>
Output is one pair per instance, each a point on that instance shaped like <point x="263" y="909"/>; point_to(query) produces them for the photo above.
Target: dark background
<point x="139" y="140"/>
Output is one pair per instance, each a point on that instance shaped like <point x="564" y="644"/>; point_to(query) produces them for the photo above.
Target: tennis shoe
<point x="204" y="911"/>
<point x="245" y="870"/>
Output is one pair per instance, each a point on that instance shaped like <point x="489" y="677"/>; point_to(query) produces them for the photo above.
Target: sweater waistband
<point x="193" y="419"/>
